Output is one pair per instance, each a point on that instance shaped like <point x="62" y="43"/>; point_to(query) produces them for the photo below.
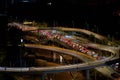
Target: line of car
<point x="71" y="41"/>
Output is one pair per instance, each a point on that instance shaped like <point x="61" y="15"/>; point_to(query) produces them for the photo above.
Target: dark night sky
<point x="101" y="13"/>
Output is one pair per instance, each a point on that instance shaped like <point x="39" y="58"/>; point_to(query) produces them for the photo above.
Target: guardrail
<point x="64" y="68"/>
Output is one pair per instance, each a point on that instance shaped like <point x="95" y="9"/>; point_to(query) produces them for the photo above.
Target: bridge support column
<point x="61" y="59"/>
<point x="43" y="76"/>
<point x="54" y="56"/>
<point x="87" y="74"/>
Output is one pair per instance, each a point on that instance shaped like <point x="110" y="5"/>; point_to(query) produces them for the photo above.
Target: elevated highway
<point x="90" y="62"/>
<point x="88" y="65"/>
<point x="32" y="28"/>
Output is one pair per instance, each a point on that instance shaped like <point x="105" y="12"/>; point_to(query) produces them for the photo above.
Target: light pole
<point x="88" y="74"/>
<point x="73" y="23"/>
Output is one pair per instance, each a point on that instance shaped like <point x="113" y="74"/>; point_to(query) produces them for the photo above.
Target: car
<point x="116" y="67"/>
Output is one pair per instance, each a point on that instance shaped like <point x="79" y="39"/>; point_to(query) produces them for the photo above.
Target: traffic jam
<point x="70" y="41"/>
